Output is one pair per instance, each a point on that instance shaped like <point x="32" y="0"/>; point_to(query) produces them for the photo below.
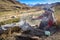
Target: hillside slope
<point x="8" y="5"/>
<point x="10" y="8"/>
<point x="57" y="13"/>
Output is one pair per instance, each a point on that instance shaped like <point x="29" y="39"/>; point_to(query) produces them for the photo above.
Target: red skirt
<point x="50" y="23"/>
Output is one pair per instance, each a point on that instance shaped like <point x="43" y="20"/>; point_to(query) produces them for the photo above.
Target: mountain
<point x="40" y="6"/>
<point x="43" y="5"/>
<point x="8" y="5"/>
<point x="31" y="5"/>
<point x="57" y="3"/>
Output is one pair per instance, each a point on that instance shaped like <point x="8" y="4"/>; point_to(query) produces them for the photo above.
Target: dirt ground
<point x="9" y="35"/>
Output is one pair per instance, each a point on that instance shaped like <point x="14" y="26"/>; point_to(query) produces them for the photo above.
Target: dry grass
<point x="10" y="21"/>
<point x="57" y="14"/>
<point x="8" y="33"/>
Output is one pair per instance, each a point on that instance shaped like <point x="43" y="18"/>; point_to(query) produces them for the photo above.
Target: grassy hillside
<point x="9" y="8"/>
<point x="57" y="13"/>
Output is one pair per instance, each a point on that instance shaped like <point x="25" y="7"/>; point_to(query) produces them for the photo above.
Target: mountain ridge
<point x="11" y="5"/>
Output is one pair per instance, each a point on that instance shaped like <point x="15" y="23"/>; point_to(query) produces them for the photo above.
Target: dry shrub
<point x="8" y="33"/>
<point x="15" y="29"/>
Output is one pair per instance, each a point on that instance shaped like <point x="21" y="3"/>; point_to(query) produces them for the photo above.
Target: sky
<point x="38" y="1"/>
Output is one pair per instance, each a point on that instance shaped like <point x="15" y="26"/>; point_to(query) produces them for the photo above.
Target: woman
<point x="47" y="19"/>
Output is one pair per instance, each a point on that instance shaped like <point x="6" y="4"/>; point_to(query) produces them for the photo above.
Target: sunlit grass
<point x="57" y="14"/>
<point x="10" y="21"/>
